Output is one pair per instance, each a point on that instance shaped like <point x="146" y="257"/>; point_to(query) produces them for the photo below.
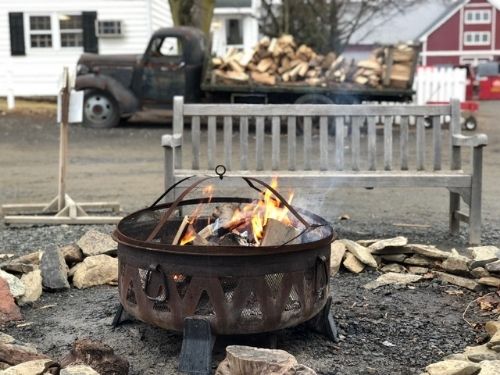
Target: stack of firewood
<point x="281" y="61"/>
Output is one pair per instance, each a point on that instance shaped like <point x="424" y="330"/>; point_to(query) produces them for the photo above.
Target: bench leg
<point x="454" y="208"/>
<point x="475" y="199"/>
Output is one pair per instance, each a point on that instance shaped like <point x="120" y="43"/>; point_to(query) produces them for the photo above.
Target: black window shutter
<point x="90" y="42"/>
<point x="16" y="23"/>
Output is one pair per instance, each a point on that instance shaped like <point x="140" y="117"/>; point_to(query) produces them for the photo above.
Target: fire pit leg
<point x="197" y="345"/>
<point x="324" y="323"/>
<point x="120" y="316"/>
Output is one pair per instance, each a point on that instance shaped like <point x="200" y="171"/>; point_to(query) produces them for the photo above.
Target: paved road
<point x="125" y="164"/>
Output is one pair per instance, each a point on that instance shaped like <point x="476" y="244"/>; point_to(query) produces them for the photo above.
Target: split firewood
<point x="181" y="230"/>
<point x="264" y="78"/>
<point x="264" y="64"/>
<point x="280" y="61"/>
<point x="277" y="233"/>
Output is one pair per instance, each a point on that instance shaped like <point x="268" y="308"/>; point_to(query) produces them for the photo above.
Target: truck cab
<point x="117" y="86"/>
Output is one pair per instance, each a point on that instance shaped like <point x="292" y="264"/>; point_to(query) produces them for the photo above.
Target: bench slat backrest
<point x="333" y="137"/>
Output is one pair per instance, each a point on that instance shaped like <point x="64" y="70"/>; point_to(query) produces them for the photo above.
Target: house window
<point x="108" y="28"/>
<point x="40" y="32"/>
<point x="71" y="30"/>
<point x="481" y="16"/>
<point x="234" y="32"/>
<point x="477" y="38"/>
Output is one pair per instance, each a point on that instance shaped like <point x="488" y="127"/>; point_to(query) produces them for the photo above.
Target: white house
<point x="38" y="38"/>
<point x="235" y="24"/>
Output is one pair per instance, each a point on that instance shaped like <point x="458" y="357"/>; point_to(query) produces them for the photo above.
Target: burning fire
<point x="268" y="207"/>
<point x="248" y="221"/>
<point x="190" y="234"/>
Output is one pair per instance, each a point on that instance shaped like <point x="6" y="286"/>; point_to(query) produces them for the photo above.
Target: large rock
<point x="393" y="267"/>
<point x="94" y="243"/>
<point x="96" y="270"/>
<point x="33" y="283"/>
<point x="97" y="355"/>
<point x="490" y="368"/>
<point x="428" y="251"/>
<point x="490" y="281"/>
<point x="418" y="270"/>
<point x="72" y="254"/>
<point x="361" y="253"/>
<point x="392" y="278"/>
<point x="398" y="258"/>
<point x="456" y="263"/>
<point x="483" y="255"/>
<point x="492" y="327"/>
<point x="245" y="360"/>
<point x="377" y="247"/>
<point x="337" y="252"/>
<point x="459" y="281"/>
<point x="452" y="367"/>
<point x="479" y="272"/>
<point x="493" y="266"/>
<point x="16" y="286"/>
<point x="481" y="353"/>
<point x="6" y="339"/>
<point x="353" y="264"/>
<point x="16" y="353"/>
<point x="36" y="367"/>
<point x="418" y="260"/>
<point x="22" y="264"/>
<point x="54" y="270"/>
<point x="9" y="311"/>
<point x="78" y="370"/>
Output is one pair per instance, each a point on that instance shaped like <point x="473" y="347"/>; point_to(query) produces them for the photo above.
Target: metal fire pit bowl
<point x="237" y="289"/>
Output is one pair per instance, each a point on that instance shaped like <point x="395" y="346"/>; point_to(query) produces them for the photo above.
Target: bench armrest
<point x="477" y="140"/>
<point x="171" y="140"/>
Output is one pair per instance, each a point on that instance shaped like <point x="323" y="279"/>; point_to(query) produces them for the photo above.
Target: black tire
<point x="470" y="123"/>
<point x="100" y="110"/>
<point x="312" y="99"/>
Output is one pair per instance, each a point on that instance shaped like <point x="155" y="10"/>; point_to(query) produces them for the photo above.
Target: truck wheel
<point x="470" y="123"/>
<point x="100" y="110"/>
<point x="313" y="99"/>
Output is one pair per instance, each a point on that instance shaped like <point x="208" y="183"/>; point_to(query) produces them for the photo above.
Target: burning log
<point x="277" y="233"/>
<point x="181" y="230"/>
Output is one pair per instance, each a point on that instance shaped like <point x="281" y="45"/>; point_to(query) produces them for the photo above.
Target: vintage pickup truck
<point x="176" y="62"/>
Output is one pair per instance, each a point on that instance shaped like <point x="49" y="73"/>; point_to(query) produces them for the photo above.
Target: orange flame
<point x="259" y="213"/>
<point x="190" y="233"/>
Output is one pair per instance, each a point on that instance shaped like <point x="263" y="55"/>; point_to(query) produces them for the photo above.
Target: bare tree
<point x="197" y="13"/>
<point x="325" y="25"/>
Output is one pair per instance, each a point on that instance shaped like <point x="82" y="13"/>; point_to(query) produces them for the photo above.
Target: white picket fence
<point x="433" y="84"/>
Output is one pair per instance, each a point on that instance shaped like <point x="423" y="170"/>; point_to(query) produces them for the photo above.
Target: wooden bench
<point x="359" y="154"/>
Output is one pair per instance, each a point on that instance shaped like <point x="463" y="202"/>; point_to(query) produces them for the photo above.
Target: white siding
<point x="36" y="74"/>
<point x="160" y="14"/>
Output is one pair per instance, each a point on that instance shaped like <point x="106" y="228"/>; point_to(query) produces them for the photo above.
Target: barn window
<point x="71" y="30"/>
<point x="480" y="16"/>
<point x="477" y="38"/>
<point x="40" y="32"/>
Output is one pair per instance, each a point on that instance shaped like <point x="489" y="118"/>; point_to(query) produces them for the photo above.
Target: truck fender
<point x="127" y="101"/>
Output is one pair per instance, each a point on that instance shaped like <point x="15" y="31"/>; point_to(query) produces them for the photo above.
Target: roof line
<point x="441" y="20"/>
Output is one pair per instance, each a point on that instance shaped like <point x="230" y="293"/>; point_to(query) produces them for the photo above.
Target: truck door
<point x="163" y="75"/>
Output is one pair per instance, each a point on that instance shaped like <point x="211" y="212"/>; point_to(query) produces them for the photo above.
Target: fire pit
<point x="252" y="271"/>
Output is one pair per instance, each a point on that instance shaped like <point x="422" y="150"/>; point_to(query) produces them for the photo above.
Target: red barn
<point x="468" y="34"/>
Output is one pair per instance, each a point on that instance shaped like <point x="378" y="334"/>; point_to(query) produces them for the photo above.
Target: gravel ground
<point x="424" y="323"/>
